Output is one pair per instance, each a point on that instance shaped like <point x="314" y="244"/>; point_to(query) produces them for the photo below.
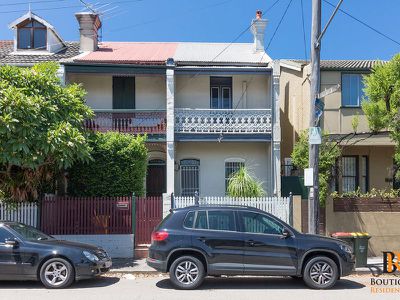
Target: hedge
<point x="118" y="167"/>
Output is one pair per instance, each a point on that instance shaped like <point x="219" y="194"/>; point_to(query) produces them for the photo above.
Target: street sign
<point x="308" y="177"/>
<point x="319" y="108"/>
<point x="329" y="91"/>
<point x="314" y="136"/>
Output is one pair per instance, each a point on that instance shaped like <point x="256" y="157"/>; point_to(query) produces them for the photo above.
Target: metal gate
<point x="148" y="216"/>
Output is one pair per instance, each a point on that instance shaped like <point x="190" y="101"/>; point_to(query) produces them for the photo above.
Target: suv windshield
<point x="29" y="233"/>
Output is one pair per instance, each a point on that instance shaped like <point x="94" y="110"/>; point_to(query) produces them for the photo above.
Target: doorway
<point x="156" y="178"/>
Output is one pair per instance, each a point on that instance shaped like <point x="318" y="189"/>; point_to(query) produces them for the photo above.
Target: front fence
<point x="148" y="215"/>
<point x="281" y="207"/>
<point x="65" y="215"/>
<point x="27" y="213"/>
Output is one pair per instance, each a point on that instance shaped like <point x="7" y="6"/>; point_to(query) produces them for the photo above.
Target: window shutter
<point x="123" y="92"/>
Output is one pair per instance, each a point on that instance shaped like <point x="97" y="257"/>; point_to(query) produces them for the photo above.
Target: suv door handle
<point x="251" y="243"/>
<point x="202" y="239"/>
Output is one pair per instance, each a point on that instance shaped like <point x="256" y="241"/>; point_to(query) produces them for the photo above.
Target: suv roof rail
<point x="220" y="205"/>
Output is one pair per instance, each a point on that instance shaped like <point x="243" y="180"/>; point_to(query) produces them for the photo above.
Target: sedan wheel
<point x="57" y="273"/>
<point x="187" y="272"/>
<point x="320" y="273"/>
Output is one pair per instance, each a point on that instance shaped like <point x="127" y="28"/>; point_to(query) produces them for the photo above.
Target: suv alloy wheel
<point x="320" y="272"/>
<point x="187" y="272"/>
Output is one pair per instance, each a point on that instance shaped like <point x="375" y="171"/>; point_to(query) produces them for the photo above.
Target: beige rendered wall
<point x="194" y="92"/>
<point x="212" y="156"/>
<point x="150" y="91"/>
<point x="380" y="164"/>
<point x="384" y="227"/>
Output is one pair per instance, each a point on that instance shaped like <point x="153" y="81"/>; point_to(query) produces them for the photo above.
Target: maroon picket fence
<point x="87" y="215"/>
<point x="148" y="215"/>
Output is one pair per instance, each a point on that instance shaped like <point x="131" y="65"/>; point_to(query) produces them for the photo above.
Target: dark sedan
<point x="29" y="254"/>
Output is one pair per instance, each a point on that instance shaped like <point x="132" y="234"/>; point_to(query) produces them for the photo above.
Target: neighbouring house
<point x="207" y="108"/>
<point x="367" y="159"/>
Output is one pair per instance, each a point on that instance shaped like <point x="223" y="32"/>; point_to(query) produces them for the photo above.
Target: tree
<point x="329" y="152"/>
<point x="40" y="128"/>
<point x="243" y="184"/>
<point x="118" y="167"/>
<point x="382" y="103"/>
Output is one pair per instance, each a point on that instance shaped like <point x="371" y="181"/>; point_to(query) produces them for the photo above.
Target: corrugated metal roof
<point x="219" y="53"/>
<point x="130" y="53"/>
<point x="342" y="64"/>
<point x="7" y="56"/>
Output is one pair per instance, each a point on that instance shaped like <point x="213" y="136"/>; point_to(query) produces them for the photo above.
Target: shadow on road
<point x="266" y="283"/>
<point x="97" y="282"/>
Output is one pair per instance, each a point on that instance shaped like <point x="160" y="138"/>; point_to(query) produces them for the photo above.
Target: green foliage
<point x="40" y="128"/>
<point x="243" y="184"/>
<point x="373" y="193"/>
<point x="382" y="88"/>
<point x="329" y="152"/>
<point x="118" y="167"/>
<point x="355" y="121"/>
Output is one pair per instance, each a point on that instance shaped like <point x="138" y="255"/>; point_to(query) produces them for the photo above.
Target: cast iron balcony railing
<point x="236" y="121"/>
<point x="128" y="121"/>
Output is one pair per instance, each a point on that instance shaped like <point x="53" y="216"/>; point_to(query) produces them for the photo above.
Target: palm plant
<point x="243" y="184"/>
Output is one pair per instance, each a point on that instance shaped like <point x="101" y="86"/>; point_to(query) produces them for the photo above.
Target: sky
<point x="225" y="20"/>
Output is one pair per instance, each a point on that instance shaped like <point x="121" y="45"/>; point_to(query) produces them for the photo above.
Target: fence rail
<point x="280" y="207"/>
<point x="27" y="213"/>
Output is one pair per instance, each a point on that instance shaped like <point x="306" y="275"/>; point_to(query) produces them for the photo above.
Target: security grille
<point x="190" y="169"/>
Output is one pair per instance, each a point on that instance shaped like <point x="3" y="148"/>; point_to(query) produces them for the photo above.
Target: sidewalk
<point x="131" y="266"/>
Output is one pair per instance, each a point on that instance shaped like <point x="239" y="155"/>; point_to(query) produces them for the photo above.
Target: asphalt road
<point x="158" y="287"/>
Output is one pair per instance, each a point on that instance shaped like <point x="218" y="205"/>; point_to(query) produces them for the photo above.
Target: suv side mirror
<point x="286" y="233"/>
<point x="12" y="243"/>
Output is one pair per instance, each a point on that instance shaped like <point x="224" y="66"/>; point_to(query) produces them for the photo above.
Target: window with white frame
<point x="231" y="167"/>
<point x="190" y="173"/>
<point x="349" y="174"/>
<point x="352" y="90"/>
<point x="32" y="35"/>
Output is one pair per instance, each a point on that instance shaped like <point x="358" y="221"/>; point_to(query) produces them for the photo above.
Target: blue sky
<point x="224" y="20"/>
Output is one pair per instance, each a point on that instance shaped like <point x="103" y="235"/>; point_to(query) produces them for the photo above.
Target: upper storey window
<point x="32" y="35"/>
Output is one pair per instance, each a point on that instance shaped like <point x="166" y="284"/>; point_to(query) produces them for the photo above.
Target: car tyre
<point x="57" y="273"/>
<point x="320" y="272"/>
<point x="187" y="273"/>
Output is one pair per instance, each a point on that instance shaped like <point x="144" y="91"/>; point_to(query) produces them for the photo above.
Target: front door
<point x="10" y="258"/>
<point x="267" y="252"/>
<point x="155" y="180"/>
<point x="215" y="232"/>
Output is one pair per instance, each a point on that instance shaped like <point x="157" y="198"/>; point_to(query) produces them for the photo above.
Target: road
<point x="158" y="287"/>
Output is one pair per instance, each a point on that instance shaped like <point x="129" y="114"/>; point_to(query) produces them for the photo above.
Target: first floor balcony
<point x="128" y="121"/>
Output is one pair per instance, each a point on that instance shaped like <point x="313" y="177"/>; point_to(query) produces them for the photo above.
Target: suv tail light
<point x="158" y="236"/>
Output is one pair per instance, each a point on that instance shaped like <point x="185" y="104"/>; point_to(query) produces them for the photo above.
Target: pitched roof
<point x="230" y="53"/>
<point x="130" y="53"/>
<point x="182" y="53"/>
<point x="346" y="65"/>
<point x="7" y="55"/>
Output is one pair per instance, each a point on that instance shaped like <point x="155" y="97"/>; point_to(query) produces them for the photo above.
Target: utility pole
<point x="313" y="196"/>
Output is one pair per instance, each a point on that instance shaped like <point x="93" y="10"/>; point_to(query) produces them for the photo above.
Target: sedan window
<point x="5" y="235"/>
<point x="259" y="223"/>
<point x="29" y="233"/>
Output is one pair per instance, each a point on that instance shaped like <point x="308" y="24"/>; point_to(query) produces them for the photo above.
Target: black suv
<point x="193" y="242"/>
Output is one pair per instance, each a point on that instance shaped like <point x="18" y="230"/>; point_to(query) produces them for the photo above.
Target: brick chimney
<point x="258" y="29"/>
<point x="89" y="24"/>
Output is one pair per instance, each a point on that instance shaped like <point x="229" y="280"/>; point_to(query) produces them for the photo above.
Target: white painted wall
<point x="116" y="245"/>
<point x="195" y="92"/>
<point x="53" y="42"/>
<point x="212" y="156"/>
<point x="150" y="90"/>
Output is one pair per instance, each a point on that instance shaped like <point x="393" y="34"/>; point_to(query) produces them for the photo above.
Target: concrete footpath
<point x="130" y="266"/>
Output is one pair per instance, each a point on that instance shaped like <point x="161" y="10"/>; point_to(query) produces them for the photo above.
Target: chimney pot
<point x="258" y="14"/>
<point x="89" y="24"/>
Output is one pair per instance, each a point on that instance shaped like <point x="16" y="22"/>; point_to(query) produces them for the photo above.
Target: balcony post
<point x="276" y="132"/>
<point x="170" y="84"/>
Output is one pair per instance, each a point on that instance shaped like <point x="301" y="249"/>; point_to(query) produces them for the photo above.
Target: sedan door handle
<point x="251" y="243"/>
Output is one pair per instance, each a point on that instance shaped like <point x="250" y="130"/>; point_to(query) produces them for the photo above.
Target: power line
<point x="363" y="23"/>
<point x="304" y="30"/>
<point x="279" y="24"/>
<point x="40" y="9"/>
<point x="31" y="2"/>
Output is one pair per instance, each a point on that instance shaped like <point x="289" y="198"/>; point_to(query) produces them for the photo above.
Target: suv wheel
<point x="320" y="272"/>
<point x="187" y="272"/>
<point x="57" y="273"/>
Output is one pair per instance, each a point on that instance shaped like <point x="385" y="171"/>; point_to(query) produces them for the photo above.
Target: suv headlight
<point x="346" y="248"/>
<point x="90" y="256"/>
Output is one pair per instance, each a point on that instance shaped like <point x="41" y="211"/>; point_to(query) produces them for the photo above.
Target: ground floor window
<point x="231" y="166"/>
<point x="349" y="173"/>
<point x="364" y="170"/>
<point x="190" y="173"/>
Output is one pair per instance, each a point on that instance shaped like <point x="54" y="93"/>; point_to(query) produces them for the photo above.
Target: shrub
<point x="118" y="167"/>
<point x="243" y="184"/>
